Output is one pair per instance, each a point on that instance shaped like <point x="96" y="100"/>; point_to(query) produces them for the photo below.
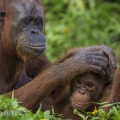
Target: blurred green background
<point x="80" y="23"/>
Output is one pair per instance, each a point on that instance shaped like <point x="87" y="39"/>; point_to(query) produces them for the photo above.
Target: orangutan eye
<point x="90" y="86"/>
<point x="27" y="20"/>
<point x="39" y="21"/>
<point x="78" y="83"/>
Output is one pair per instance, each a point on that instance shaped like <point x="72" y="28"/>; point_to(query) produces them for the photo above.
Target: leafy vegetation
<point x="80" y="23"/>
<point x="11" y="110"/>
<point x="100" y="114"/>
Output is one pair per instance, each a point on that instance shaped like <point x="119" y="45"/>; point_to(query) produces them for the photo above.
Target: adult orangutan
<point x="22" y="39"/>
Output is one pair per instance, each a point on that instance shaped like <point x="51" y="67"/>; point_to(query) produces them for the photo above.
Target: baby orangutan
<point x="86" y="88"/>
<point x="83" y="90"/>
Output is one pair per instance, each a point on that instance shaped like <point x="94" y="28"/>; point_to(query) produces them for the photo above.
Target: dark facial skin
<point x="21" y="38"/>
<point x="27" y="27"/>
<point x="86" y="88"/>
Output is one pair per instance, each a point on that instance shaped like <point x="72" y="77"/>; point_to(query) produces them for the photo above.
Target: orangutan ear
<point x="2" y="16"/>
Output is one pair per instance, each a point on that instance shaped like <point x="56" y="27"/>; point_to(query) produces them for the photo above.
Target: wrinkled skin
<point x="26" y="30"/>
<point x="22" y="39"/>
